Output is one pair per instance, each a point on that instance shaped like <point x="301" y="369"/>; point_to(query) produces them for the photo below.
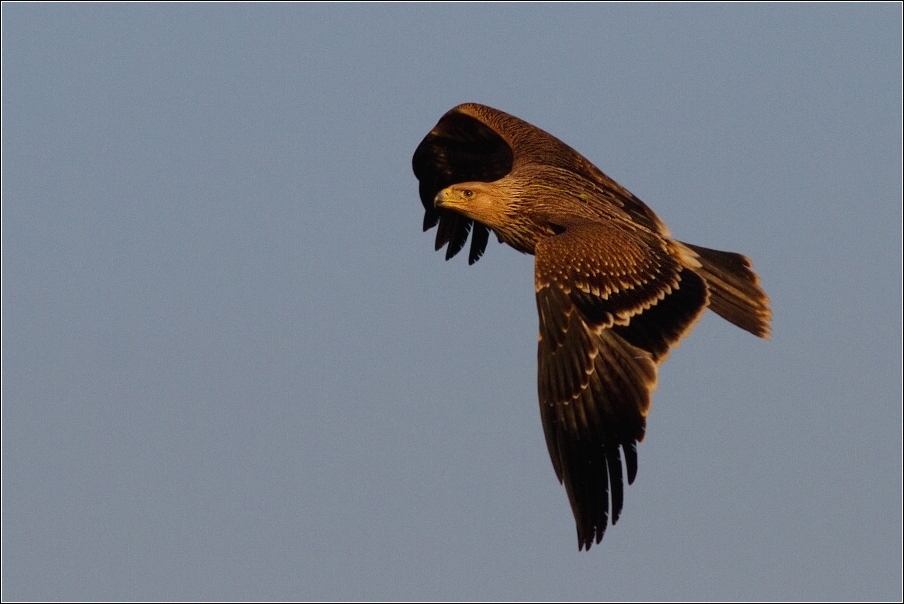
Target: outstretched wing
<point x="474" y="142"/>
<point x="612" y="301"/>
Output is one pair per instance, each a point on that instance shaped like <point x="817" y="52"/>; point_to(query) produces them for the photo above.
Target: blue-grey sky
<point x="234" y="367"/>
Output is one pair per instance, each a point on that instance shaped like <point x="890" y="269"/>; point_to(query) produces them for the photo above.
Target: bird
<point x="614" y="290"/>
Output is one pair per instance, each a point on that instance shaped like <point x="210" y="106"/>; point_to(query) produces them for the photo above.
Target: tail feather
<point x="734" y="290"/>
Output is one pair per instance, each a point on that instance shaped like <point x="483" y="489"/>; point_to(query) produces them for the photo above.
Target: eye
<point x="468" y="193"/>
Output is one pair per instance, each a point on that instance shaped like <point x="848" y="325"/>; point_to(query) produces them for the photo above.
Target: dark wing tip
<point x="480" y="236"/>
<point x="459" y="236"/>
<point x="616" y="486"/>
<point x="631" y="460"/>
<point x="592" y="528"/>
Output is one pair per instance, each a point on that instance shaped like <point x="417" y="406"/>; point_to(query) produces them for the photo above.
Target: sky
<point x="234" y="367"/>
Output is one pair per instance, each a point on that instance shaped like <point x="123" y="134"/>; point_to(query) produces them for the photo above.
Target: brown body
<point x="614" y="291"/>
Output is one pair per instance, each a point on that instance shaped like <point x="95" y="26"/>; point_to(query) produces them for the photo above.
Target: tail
<point x="734" y="290"/>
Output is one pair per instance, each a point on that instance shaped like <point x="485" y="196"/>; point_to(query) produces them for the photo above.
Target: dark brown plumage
<point x="614" y="291"/>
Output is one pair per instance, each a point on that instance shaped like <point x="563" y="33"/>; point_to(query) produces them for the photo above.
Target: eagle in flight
<point x="614" y="290"/>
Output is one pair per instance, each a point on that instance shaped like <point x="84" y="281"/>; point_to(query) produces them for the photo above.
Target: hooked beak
<point x="442" y="198"/>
